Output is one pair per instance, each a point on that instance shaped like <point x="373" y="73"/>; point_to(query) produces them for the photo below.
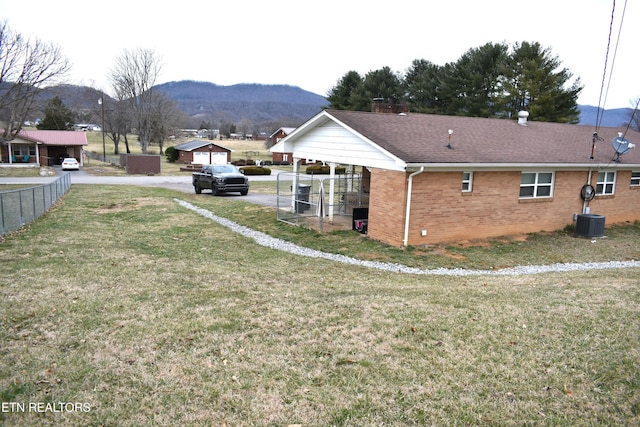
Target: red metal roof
<point x="54" y="137"/>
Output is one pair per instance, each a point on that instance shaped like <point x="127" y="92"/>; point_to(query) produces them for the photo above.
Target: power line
<point x="604" y="72"/>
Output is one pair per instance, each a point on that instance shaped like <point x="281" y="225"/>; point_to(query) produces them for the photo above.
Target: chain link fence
<point x="21" y="207"/>
<point x="113" y="160"/>
<point x="306" y="199"/>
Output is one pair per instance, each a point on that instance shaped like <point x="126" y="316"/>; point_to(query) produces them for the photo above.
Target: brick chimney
<point x="380" y="106"/>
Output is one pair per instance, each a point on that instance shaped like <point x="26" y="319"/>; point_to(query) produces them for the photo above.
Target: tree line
<point x="493" y="80"/>
<point x="29" y="66"/>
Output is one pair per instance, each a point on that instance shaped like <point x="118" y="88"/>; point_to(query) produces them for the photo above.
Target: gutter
<point x="449" y="167"/>
<point x="405" y="241"/>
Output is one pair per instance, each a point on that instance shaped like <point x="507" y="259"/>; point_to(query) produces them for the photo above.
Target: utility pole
<point x="104" y="146"/>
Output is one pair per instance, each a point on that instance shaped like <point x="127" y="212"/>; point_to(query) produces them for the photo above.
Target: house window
<point x="606" y="183"/>
<point x="467" y="181"/>
<point x="23" y="150"/>
<point x="536" y="184"/>
<point x="635" y="179"/>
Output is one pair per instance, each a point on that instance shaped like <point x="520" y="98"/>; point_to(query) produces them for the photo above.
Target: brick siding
<point x="492" y="209"/>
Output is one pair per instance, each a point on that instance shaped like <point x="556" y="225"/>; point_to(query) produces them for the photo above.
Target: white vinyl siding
<point x="333" y="143"/>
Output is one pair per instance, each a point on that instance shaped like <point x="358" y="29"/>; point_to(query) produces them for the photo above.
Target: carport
<point x="324" y="139"/>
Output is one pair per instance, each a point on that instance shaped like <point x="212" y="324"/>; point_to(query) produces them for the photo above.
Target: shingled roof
<point x="198" y="143"/>
<point x="419" y="139"/>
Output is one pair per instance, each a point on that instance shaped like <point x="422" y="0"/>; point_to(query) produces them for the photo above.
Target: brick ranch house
<point x="203" y="152"/>
<point x="438" y="178"/>
<point x="274" y="138"/>
<point x="43" y="147"/>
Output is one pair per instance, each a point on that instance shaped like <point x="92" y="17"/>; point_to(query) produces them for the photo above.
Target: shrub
<point x="172" y="154"/>
<point x="319" y="169"/>
<point x="255" y="170"/>
<point x="244" y="162"/>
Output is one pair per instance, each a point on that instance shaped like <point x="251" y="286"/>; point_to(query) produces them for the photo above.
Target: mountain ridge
<point x="263" y="105"/>
<point x="252" y="101"/>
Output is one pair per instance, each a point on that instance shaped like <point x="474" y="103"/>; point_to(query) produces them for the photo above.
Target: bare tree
<point x="26" y="66"/>
<point x="166" y="117"/>
<point x="116" y="120"/>
<point x="132" y="78"/>
<point x="635" y="115"/>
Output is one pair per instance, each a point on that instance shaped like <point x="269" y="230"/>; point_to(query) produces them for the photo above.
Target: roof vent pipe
<point x="522" y="118"/>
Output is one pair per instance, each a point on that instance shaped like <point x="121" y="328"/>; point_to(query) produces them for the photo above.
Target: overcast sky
<point x="313" y="44"/>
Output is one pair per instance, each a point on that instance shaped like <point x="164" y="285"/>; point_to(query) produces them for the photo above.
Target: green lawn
<point x="144" y="313"/>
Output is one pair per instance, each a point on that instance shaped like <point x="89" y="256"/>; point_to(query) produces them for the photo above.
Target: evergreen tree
<point x="423" y="82"/>
<point x="472" y="84"/>
<point x="56" y="116"/>
<point x="533" y="80"/>
<point x="488" y="81"/>
<point x="341" y="96"/>
<point x="382" y="83"/>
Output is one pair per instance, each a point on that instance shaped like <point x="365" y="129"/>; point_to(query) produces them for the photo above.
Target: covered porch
<point x="21" y="153"/>
<point x="34" y="148"/>
<point x="337" y="201"/>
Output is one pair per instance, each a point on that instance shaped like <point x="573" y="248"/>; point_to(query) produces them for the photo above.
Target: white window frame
<point x="606" y="183"/>
<point x="635" y="179"/>
<point x="536" y="185"/>
<point x="468" y="183"/>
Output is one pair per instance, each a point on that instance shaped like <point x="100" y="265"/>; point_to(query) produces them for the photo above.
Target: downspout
<point x="405" y="241"/>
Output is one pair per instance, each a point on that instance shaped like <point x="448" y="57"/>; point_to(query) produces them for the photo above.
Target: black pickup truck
<point x="220" y="179"/>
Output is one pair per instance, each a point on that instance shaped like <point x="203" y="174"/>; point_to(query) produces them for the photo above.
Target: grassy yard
<point x="144" y="313"/>
<point x="242" y="149"/>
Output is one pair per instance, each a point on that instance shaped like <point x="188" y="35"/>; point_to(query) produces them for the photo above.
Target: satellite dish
<point x="621" y="146"/>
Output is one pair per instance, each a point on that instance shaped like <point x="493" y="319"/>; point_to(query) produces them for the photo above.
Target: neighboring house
<point x="436" y="178"/>
<point x="202" y="152"/>
<point x="274" y="138"/>
<point x="43" y="147"/>
<point x="208" y="133"/>
<point x="87" y="127"/>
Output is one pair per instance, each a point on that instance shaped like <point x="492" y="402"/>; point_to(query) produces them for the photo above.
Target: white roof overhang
<point x="327" y="139"/>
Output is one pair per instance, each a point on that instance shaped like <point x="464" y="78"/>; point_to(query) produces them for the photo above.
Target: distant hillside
<point x="609" y="118"/>
<point x="258" y="103"/>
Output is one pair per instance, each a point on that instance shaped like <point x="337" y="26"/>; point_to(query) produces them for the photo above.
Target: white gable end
<point x="331" y="142"/>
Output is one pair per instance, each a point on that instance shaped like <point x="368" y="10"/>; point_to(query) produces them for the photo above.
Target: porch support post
<point x="294" y="183"/>
<point x="37" y="155"/>
<point x="332" y="187"/>
<point x="10" y="153"/>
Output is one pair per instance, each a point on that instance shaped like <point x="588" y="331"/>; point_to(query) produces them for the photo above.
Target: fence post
<point x="2" y="214"/>
<point x="21" y="213"/>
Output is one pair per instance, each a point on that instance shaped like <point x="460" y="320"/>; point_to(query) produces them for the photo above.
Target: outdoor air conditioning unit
<point x="590" y="225"/>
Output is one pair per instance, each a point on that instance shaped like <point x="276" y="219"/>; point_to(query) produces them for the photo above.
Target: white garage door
<point x="218" y="158"/>
<point x="213" y="158"/>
